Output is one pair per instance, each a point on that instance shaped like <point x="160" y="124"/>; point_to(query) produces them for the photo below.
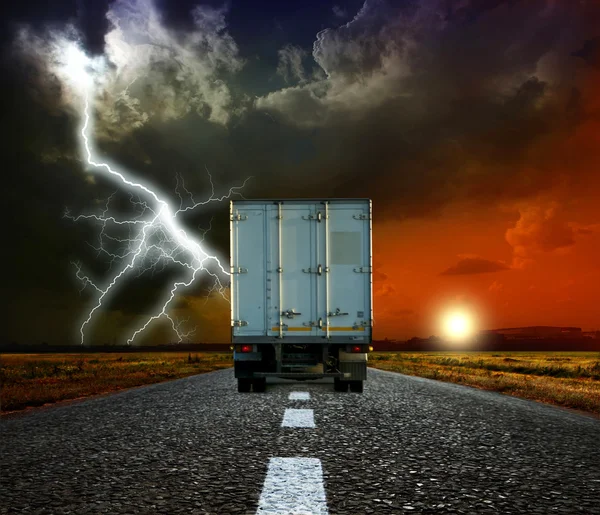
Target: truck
<point x="301" y="290"/>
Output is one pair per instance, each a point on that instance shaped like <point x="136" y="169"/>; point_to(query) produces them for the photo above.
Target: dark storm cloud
<point x="432" y="101"/>
<point x="590" y="52"/>
<point x="415" y="104"/>
<point x="423" y="105"/>
<point x="93" y="23"/>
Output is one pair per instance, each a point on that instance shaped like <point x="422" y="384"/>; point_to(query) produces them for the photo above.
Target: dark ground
<point x="407" y="445"/>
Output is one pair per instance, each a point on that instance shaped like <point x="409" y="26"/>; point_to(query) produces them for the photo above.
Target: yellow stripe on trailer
<point x="276" y="328"/>
<point x="344" y="328"/>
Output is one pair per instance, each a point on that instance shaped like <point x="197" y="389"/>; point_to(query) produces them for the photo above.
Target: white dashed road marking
<point x="293" y="486"/>
<point x="298" y="418"/>
<point x="299" y="396"/>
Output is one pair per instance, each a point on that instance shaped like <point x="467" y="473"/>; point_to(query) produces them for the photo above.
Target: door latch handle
<point x="290" y="313"/>
<point x="336" y="313"/>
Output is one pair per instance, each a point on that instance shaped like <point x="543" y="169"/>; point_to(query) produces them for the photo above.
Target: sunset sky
<point x="473" y="125"/>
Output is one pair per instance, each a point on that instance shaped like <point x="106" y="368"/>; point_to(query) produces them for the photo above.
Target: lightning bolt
<point x="158" y="240"/>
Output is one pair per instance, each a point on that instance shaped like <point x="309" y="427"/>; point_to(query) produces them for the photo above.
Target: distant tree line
<point x="491" y="342"/>
<point x="179" y="347"/>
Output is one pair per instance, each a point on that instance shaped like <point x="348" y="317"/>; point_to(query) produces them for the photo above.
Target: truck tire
<point x="259" y="385"/>
<point x="339" y="385"/>
<point x="356" y="386"/>
<point x="244" y="385"/>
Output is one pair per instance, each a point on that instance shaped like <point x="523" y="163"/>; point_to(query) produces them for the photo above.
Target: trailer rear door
<point x="301" y="269"/>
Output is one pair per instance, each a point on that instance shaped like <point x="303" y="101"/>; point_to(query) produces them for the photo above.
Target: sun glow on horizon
<point x="458" y="325"/>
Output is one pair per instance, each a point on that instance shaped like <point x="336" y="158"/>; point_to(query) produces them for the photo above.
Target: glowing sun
<point x="458" y="325"/>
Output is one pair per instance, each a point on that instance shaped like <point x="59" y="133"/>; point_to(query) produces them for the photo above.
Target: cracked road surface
<point x="406" y="445"/>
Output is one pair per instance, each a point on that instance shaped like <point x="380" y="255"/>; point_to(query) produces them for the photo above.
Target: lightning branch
<point x="156" y="239"/>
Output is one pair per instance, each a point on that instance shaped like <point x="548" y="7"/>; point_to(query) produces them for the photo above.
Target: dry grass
<point x="568" y="379"/>
<point x="37" y="379"/>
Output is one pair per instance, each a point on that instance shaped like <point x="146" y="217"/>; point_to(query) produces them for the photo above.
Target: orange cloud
<point x="382" y="285"/>
<point x="471" y="264"/>
<point x="586" y="230"/>
<point x="539" y="229"/>
<point x="386" y="290"/>
<point x="495" y="287"/>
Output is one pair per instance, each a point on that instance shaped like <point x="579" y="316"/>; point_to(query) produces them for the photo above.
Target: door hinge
<point x="238" y="323"/>
<point x="319" y="270"/>
<point x="363" y="270"/>
<point x="361" y="216"/>
<point x="239" y="270"/>
<point x="238" y="217"/>
<point x="318" y="216"/>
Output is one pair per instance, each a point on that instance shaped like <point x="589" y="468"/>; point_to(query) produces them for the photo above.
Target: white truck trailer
<point x="301" y="290"/>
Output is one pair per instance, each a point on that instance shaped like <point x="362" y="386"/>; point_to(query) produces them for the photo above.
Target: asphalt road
<point x="406" y="445"/>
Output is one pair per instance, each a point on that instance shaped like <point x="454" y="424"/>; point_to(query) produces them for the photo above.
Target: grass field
<point x="568" y="379"/>
<point x="565" y="379"/>
<point x="36" y="379"/>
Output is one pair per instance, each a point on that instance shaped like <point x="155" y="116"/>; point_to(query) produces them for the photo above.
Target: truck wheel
<point x="244" y="385"/>
<point x="339" y="385"/>
<point x="259" y="385"/>
<point x="356" y="386"/>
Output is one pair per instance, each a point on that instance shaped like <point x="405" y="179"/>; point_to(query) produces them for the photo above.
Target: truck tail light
<point x="245" y="348"/>
<point x="359" y="348"/>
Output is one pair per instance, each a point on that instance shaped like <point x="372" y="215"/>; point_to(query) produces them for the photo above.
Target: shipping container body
<point x="301" y="288"/>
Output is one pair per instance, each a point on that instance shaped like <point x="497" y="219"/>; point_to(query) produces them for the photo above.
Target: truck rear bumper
<point x="249" y="356"/>
<point x="301" y="375"/>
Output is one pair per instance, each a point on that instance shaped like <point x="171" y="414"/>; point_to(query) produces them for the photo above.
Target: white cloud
<point x="362" y="63"/>
<point x="290" y="63"/>
<point x="339" y="12"/>
<point x="421" y="51"/>
<point x="152" y="72"/>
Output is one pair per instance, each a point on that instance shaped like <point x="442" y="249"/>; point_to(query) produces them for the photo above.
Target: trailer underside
<point x="346" y="364"/>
